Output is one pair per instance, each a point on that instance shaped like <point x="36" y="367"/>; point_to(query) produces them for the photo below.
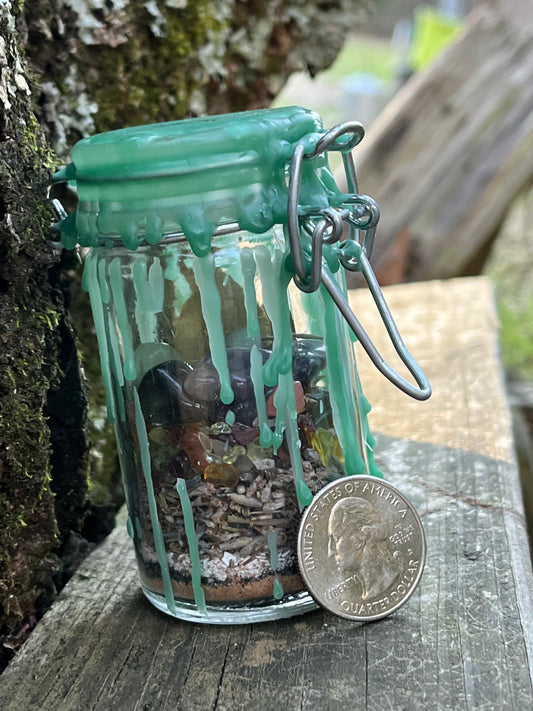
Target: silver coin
<point x="361" y="548"/>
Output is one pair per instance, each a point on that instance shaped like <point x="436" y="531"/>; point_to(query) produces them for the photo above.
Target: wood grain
<point x="452" y="149"/>
<point x="463" y="641"/>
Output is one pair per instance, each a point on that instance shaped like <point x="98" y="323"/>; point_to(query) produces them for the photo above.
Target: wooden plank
<point x="451" y="150"/>
<point x="463" y="641"/>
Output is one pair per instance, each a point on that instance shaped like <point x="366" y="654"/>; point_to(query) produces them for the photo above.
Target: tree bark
<point x="37" y="360"/>
<point x="69" y="68"/>
<point x="113" y="63"/>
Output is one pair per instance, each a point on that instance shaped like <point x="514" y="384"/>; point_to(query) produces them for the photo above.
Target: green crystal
<point x="327" y="445"/>
<point x="254" y="451"/>
<point x="219" y="428"/>
<point x="233" y="454"/>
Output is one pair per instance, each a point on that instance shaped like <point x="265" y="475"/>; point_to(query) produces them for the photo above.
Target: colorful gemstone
<point x="222" y="474"/>
<point x="196" y="453"/>
<point x="326" y="443"/>
<point x="298" y="396"/>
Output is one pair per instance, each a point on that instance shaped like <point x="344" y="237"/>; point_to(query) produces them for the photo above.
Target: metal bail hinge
<point x="361" y="213"/>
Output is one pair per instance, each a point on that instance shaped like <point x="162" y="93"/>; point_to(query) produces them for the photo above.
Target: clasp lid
<point x="310" y="231"/>
<point x="193" y="175"/>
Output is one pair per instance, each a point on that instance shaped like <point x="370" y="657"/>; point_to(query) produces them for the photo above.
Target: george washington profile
<point x="358" y="542"/>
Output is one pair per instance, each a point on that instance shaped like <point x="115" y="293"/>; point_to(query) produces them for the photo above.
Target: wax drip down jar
<point x="216" y="259"/>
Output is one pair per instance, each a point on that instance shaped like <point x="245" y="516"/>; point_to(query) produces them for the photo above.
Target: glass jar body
<point x="235" y="399"/>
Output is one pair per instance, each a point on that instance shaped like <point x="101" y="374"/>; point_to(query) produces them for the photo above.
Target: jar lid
<point x="193" y="175"/>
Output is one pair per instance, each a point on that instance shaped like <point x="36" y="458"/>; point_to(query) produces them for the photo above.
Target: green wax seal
<point x="137" y="184"/>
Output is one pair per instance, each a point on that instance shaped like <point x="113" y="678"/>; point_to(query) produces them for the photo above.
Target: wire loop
<point x="361" y="214"/>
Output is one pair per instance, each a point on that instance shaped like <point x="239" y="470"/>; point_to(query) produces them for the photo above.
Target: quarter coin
<point x="361" y="548"/>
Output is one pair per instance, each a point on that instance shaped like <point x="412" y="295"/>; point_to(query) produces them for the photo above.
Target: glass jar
<point x="230" y="378"/>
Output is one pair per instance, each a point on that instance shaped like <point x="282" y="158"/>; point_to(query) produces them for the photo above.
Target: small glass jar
<point x="234" y="393"/>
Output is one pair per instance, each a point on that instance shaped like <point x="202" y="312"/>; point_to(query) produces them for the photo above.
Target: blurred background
<point x="444" y="92"/>
<point x="400" y="37"/>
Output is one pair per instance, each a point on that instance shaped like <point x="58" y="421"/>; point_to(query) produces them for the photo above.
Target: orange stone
<point x="222" y="474"/>
<point x="298" y="396"/>
<point x="195" y="452"/>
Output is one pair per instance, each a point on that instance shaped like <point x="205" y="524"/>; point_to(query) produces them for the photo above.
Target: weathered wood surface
<point x="451" y="150"/>
<point x="463" y="641"/>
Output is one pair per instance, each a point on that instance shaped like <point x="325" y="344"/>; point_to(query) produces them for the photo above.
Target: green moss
<point x="50" y="319"/>
<point x="150" y="78"/>
<point x="516" y="338"/>
<point x="32" y="144"/>
<point x="24" y="431"/>
<point x="28" y="323"/>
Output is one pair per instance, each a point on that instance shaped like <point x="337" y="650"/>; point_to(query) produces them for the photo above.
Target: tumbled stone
<point x="254" y="451"/>
<point x="180" y="466"/>
<point x="244" y="434"/>
<point x="219" y="428"/>
<point x="203" y="385"/>
<point x="222" y="474"/>
<point x="308" y="359"/>
<point x="162" y="398"/>
<point x="233" y="453"/>
<point x="173" y="391"/>
<point x="197" y="455"/>
<point x="282" y="462"/>
<point x="299" y="398"/>
<point x="244" y="464"/>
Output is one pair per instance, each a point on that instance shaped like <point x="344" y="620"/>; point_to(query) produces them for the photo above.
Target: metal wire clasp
<point x="326" y="226"/>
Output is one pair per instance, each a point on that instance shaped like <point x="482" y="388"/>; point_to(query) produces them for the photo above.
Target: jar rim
<point x="187" y="146"/>
<point x="196" y="173"/>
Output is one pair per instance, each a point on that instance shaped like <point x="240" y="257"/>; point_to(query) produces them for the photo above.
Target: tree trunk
<point x="105" y="65"/>
<point x="100" y="65"/>
<point x="42" y="401"/>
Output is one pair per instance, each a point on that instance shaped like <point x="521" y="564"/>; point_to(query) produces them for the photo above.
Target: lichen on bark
<point x="105" y="64"/>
